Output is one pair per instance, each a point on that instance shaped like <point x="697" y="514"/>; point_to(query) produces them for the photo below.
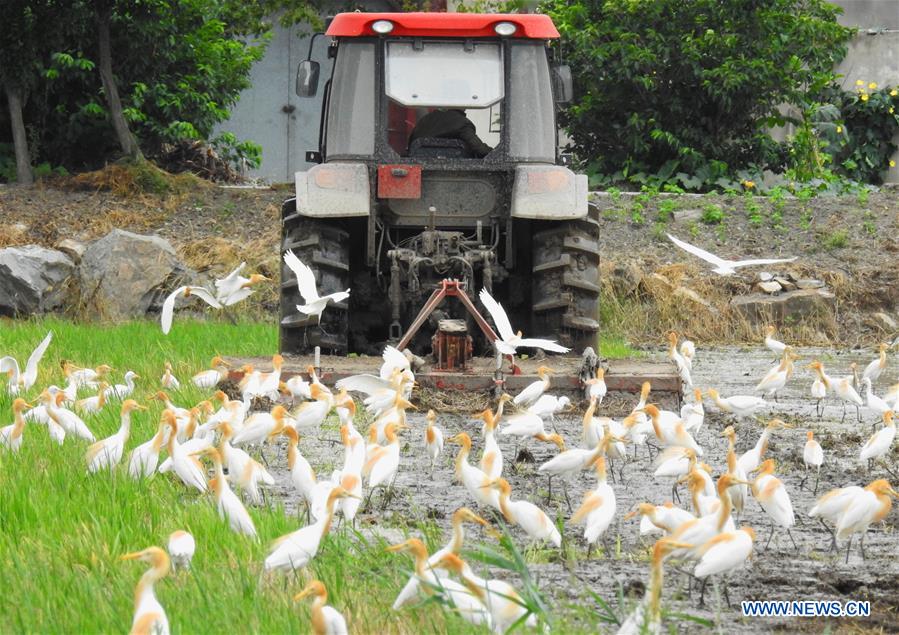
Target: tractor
<point x="438" y="159"/>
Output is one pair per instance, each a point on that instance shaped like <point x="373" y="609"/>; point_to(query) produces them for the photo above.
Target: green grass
<point x="63" y="530"/>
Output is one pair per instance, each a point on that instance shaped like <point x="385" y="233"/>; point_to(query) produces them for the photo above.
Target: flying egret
<point x="508" y="340"/>
<point x="724" y="267"/>
<point x="234" y="287"/>
<point x="149" y="616"/>
<point x="168" y="306"/>
<point x="315" y="304"/>
<point x="22" y="381"/>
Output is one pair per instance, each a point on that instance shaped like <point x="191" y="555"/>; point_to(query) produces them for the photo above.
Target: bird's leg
<point x="844" y="413"/>
<point x="804" y="478"/>
<point x="819" y="409"/>
<point x="565" y="490"/>
<point x="848" y="547"/>
<point x="674" y="494"/>
<point x="702" y="592"/>
<point x="726" y="596"/>
<point x="861" y="545"/>
<point x="833" y="538"/>
<point x="858" y="413"/>
<point x="817" y="476"/>
<point x="589" y="549"/>
<point x="790" y="534"/>
<point x="771" y="535"/>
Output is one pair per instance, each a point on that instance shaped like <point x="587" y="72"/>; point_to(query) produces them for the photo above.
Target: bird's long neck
<point x="462" y="458"/>
<point x="217" y="484"/>
<point x="319" y="624"/>
<point x="458" y="538"/>
<point x="724" y="511"/>
<point x="762" y="444"/>
<point x="329" y="513"/>
<point x="292" y="453"/>
<point x="125" y="427"/>
<point x="882" y="362"/>
<point x="144" y="588"/>
<point x="504" y="505"/>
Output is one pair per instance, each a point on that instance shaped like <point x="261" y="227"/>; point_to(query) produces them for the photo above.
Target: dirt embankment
<point x="847" y="242"/>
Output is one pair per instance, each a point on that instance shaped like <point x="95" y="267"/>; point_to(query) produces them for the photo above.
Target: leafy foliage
<point x="861" y="142"/>
<point x="686" y="91"/>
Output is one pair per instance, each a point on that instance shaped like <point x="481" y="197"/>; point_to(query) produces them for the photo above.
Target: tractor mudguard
<point x="333" y="190"/>
<point x="549" y="192"/>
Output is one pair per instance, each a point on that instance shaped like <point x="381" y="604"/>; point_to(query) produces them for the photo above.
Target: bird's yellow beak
<point x="132" y="556"/>
<point x="630" y="515"/>
<point x="140" y="407"/>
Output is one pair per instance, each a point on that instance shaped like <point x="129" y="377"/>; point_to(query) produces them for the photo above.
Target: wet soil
<point x="778" y="572"/>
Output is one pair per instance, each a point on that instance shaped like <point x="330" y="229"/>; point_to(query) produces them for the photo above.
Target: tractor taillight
<point x="505" y="29"/>
<point x="382" y="27"/>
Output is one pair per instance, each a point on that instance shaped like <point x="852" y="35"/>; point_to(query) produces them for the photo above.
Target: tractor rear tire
<point x="565" y="280"/>
<point x="324" y="247"/>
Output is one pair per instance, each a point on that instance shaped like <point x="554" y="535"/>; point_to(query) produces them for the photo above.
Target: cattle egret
<point x="508" y="341"/>
<point x="724" y="267"/>
<point x="315" y="304"/>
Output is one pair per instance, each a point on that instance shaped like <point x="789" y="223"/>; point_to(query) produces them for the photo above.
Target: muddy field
<point x="780" y="572"/>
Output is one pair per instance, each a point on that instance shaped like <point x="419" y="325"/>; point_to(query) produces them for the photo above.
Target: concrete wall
<point x="286" y="126"/>
<point x="874" y="52"/>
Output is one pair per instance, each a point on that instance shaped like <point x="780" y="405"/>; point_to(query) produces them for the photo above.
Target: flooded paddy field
<point x="569" y="579"/>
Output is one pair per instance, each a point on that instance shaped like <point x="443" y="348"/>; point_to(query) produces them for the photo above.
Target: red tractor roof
<point x="533" y="26"/>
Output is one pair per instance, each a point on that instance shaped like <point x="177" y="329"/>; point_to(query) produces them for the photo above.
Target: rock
<point x="72" y="248"/>
<point x="806" y="283"/>
<point x="125" y="275"/>
<point x="886" y="321"/>
<point x="785" y="284"/>
<point x="764" y="276"/>
<point x="33" y="279"/>
<point x="686" y="215"/>
<point x="625" y="278"/>
<point x="801" y="304"/>
<point x="769" y="287"/>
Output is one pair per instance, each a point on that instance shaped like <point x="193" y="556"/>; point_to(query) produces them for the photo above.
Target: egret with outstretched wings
<point x="724" y="267"/>
<point x="234" y="287"/>
<point x="19" y="381"/>
<point x="168" y="307"/>
<point x="315" y="304"/>
<point x="508" y="340"/>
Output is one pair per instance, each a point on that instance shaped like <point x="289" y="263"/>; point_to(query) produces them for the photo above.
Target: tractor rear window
<point x="444" y="74"/>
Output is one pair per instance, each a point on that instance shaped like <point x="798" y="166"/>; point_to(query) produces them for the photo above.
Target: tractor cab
<point x="438" y="159"/>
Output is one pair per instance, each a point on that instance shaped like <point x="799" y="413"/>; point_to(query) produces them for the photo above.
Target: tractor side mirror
<point x="563" y="87"/>
<point x="307" y="78"/>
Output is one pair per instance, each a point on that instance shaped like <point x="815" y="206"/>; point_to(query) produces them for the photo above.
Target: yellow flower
<point x="839" y="129"/>
<point x="892" y="110"/>
<point x="892" y="163"/>
<point x="872" y="86"/>
<point x="894" y="92"/>
<point x="865" y="97"/>
<point x="859" y="82"/>
<point x="748" y="184"/>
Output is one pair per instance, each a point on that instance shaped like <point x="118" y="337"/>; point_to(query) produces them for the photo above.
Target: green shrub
<point x="712" y="214"/>
<point x="682" y="92"/>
